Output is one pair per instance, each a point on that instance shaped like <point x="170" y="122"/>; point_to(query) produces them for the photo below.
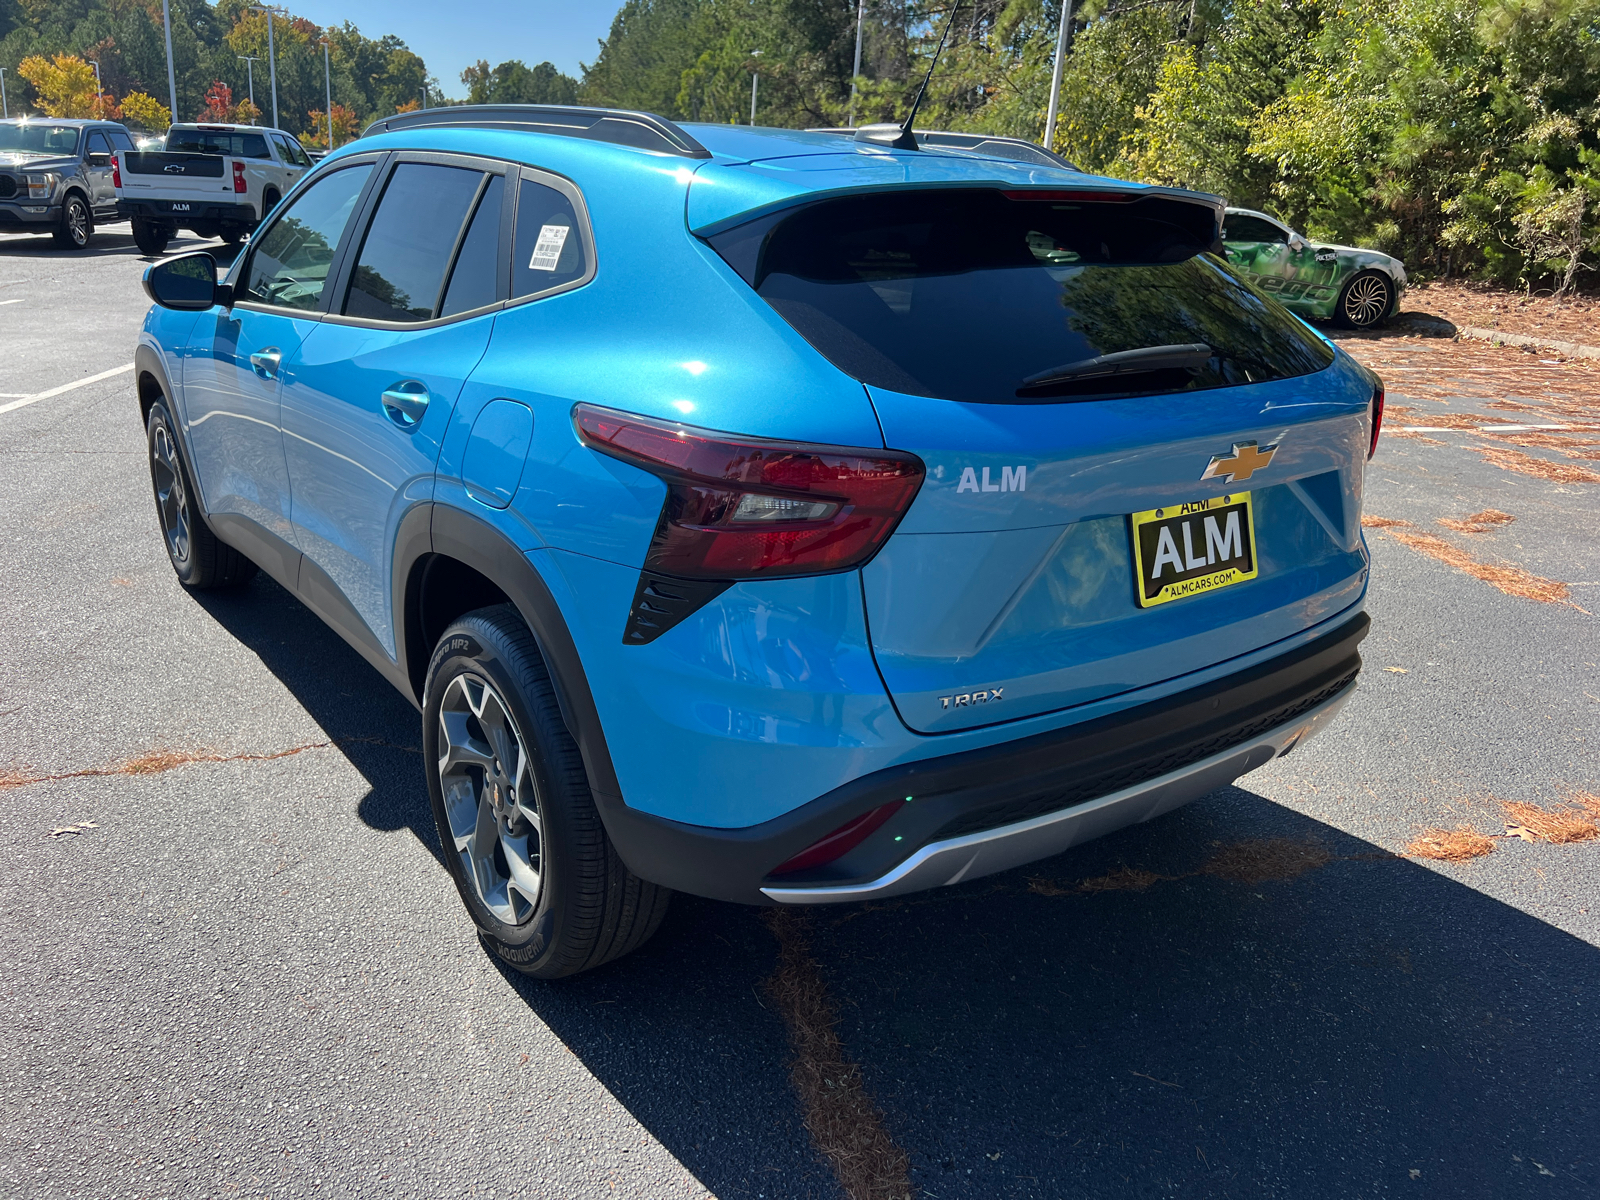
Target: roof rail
<point x="641" y="130"/>
<point x="994" y="144"/>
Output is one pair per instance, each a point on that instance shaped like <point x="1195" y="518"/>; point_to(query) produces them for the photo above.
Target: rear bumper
<point x="196" y="210"/>
<point x="964" y="815"/>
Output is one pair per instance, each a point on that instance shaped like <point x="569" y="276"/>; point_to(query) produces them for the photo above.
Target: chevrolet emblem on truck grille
<point x="1247" y="458"/>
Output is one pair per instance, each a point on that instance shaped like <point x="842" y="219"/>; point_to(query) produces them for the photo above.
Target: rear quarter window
<point x="985" y="296"/>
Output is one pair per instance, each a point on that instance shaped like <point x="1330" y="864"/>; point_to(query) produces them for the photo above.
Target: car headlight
<point x="43" y="185"/>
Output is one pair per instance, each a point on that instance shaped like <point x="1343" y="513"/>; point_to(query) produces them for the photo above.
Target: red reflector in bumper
<point x="840" y="842"/>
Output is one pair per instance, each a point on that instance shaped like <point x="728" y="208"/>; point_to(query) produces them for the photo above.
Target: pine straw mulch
<point x="1574" y="319"/>
<point x="1478" y="522"/>
<point x="844" y="1122"/>
<point x="1576" y="820"/>
<point x="1512" y="580"/>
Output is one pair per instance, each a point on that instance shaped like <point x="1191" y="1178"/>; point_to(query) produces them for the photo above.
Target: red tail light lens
<point x="1377" y="419"/>
<point x="741" y="507"/>
<point x="116" y="172"/>
<point x="840" y="842"/>
<point x="239" y="185"/>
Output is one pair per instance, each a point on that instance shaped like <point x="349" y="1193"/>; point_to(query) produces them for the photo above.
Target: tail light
<point x="239" y="185"/>
<point x="840" y="842"/>
<point x="741" y="507"/>
<point x="1377" y="418"/>
<point x="116" y="172"/>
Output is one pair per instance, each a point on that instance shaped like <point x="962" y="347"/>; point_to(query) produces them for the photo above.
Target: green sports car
<point x="1356" y="288"/>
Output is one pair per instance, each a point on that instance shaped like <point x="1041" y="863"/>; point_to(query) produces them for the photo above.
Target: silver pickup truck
<point x="215" y="180"/>
<point x="56" y="176"/>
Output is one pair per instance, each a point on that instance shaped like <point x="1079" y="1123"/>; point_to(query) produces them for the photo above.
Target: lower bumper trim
<point x="955" y="860"/>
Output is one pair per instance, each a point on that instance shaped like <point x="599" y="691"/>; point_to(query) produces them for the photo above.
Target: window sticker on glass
<point x="547" y="250"/>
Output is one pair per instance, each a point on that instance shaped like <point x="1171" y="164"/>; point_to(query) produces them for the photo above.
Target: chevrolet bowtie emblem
<point x="1247" y="458"/>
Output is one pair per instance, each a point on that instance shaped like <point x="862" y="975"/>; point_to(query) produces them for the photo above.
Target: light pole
<point x="424" y="95"/>
<point x="250" y="61"/>
<point x="272" y="60"/>
<point x="1055" y="75"/>
<point x="327" y="82"/>
<point x="99" y="92"/>
<point x="172" y="82"/>
<point x="755" y="78"/>
<point x="5" y="109"/>
<point x="861" y="6"/>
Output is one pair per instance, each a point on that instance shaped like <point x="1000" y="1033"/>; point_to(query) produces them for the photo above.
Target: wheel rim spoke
<point x="171" y="504"/>
<point x="490" y="799"/>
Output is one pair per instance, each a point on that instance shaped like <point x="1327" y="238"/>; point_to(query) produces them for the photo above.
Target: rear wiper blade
<point x="1146" y="358"/>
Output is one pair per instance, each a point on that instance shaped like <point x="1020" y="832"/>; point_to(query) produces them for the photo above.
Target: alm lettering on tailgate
<point x="1012" y="479"/>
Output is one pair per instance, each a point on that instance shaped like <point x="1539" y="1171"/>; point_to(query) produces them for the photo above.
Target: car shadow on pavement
<point x="1234" y="1000"/>
<point x="113" y="240"/>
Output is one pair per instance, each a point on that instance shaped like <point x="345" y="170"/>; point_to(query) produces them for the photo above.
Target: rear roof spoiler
<point x="997" y="145"/>
<point x="622" y="127"/>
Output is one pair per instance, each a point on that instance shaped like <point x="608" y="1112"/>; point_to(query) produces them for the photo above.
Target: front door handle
<point x="405" y="402"/>
<point x="265" y="362"/>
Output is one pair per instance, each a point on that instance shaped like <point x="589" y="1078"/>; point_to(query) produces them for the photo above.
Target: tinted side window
<point x="475" y="280"/>
<point x="296" y="154"/>
<point x="400" y="272"/>
<point x="290" y="262"/>
<point x="121" y="140"/>
<point x="549" y="241"/>
<point x="98" y="143"/>
<point x="1239" y="228"/>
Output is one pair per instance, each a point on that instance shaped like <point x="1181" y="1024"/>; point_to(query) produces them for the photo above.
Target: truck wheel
<point x="519" y="830"/>
<point x="199" y="558"/>
<point x="77" y="224"/>
<point x="1365" y="301"/>
<point x="232" y="234"/>
<point x="150" y="236"/>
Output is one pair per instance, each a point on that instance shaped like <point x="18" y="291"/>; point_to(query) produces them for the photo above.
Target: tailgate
<point x="1011" y="588"/>
<point x="170" y="173"/>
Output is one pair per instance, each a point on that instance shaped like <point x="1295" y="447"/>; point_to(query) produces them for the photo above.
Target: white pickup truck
<point x="215" y="180"/>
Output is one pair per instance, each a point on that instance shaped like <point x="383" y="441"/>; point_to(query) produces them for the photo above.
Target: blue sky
<point x="450" y="38"/>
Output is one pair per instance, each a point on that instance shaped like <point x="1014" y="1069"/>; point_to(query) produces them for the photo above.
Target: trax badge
<point x="966" y="698"/>
<point x="1244" y="462"/>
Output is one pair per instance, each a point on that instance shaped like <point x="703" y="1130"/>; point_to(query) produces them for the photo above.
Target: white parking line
<point x="65" y="387"/>
<point x="1485" y="428"/>
<point x="18" y="300"/>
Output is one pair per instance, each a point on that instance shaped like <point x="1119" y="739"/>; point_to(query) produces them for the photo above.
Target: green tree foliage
<point x="1459" y="134"/>
<point x="370" y="78"/>
<point x="514" y="82"/>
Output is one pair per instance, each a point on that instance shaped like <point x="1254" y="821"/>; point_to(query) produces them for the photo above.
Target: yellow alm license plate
<point x="1185" y="549"/>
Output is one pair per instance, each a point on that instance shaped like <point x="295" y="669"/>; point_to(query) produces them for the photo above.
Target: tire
<point x="200" y="559"/>
<point x="77" y="224"/>
<point x="549" y="895"/>
<point x="232" y="234"/>
<point x="150" y="236"/>
<point x="205" y="229"/>
<point x="1365" y="301"/>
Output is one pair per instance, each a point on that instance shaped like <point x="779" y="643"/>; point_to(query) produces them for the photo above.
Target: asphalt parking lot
<point x="232" y="965"/>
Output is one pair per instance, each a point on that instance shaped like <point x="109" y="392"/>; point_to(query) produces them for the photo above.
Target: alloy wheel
<point x="1366" y="301"/>
<point x="78" y="223"/>
<point x="171" y="499"/>
<point x="491" y="799"/>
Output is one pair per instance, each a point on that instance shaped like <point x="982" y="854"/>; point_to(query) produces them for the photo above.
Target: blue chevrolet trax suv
<point x="781" y="517"/>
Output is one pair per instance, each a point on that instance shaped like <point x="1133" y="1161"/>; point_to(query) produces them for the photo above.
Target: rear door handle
<point x="265" y="362"/>
<point x="405" y="402"/>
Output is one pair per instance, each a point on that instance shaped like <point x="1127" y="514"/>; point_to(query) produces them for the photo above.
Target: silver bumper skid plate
<point x="955" y="860"/>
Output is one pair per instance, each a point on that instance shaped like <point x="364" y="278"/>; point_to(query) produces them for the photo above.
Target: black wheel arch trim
<point x="468" y="539"/>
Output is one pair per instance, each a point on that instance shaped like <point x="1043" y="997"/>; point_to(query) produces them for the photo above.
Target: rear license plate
<point x="1185" y="549"/>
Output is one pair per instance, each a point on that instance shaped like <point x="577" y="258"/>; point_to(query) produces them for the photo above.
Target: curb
<point x="1570" y="349"/>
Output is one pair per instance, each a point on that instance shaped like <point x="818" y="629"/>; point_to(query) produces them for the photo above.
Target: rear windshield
<point x="1017" y="297"/>
<point x="208" y="141"/>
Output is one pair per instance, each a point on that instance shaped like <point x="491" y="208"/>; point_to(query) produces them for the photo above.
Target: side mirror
<point x="1296" y="242"/>
<point x="99" y="160"/>
<point x="187" y="283"/>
